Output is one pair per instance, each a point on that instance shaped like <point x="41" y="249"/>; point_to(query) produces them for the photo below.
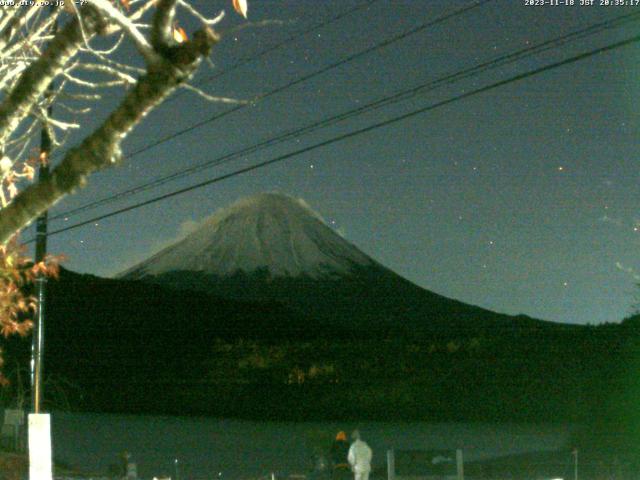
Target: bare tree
<point x="49" y="54"/>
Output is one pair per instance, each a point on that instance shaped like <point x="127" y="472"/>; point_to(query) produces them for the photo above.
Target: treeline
<point x="136" y="348"/>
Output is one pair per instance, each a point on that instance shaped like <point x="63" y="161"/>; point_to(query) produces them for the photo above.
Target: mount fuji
<point x="265" y="312"/>
<point x="272" y="246"/>
<point x="268" y="232"/>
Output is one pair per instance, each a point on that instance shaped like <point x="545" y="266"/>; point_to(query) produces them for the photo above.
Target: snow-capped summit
<point x="273" y="248"/>
<point x="268" y="232"/>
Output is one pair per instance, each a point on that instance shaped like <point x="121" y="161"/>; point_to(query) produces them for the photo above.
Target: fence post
<point x="391" y="465"/>
<point x="460" y="464"/>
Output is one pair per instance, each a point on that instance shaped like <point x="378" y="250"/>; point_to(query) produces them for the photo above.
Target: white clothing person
<point x="360" y="457"/>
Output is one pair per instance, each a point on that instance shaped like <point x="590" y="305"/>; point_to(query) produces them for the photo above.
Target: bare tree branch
<point x="213" y="98"/>
<point x="162" y="29"/>
<point x="35" y="79"/>
<point x="102" y="148"/>
<point x="129" y="28"/>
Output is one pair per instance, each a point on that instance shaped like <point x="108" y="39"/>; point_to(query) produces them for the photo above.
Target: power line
<point x="350" y="58"/>
<point x="400" y="96"/>
<point x="291" y="38"/>
<point x="304" y="78"/>
<point x="248" y="59"/>
<point x="358" y="132"/>
<point x="346" y="60"/>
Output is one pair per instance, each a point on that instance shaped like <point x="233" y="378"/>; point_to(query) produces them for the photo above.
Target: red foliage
<point x="16" y="272"/>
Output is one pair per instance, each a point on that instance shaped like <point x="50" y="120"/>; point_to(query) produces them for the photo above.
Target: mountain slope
<point x="274" y="247"/>
<point x="269" y="232"/>
<point x="266" y="313"/>
<point x="138" y="347"/>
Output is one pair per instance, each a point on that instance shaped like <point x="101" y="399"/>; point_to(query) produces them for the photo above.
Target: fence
<point x="425" y="464"/>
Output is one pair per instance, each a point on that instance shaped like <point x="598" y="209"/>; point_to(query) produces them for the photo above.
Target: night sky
<point x="523" y="199"/>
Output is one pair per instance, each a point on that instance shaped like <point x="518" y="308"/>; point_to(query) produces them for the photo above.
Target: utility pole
<point x="37" y="344"/>
<point x="39" y="426"/>
<point x="37" y="341"/>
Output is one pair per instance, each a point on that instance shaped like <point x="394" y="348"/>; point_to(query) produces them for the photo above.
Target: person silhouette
<point x="339" y="454"/>
<point x="359" y="457"/>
